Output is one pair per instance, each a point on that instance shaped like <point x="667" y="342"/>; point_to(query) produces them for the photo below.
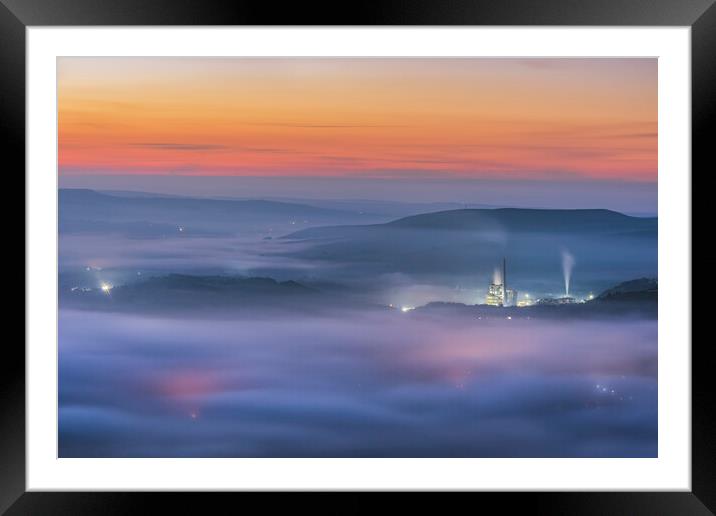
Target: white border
<point x="671" y="470"/>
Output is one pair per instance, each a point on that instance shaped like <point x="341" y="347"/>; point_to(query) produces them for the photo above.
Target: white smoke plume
<point x="497" y="276"/>
<point x="567" y="266"/>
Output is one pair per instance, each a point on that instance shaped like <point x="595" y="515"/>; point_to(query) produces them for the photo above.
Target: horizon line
<point x="295" y="200"/>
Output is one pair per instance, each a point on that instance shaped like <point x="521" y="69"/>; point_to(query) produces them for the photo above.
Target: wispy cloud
<point x="198" y="147"/>
<point x="630" y="135"/>
<point x="180" y="146"/>
<point x="323" y="126"/>
<point x="267" y="150"/>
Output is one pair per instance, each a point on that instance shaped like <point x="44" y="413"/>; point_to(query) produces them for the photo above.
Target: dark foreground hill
<point x="196" y="293"/>
<point x="642" y="289"/>
<point x="226" y="295"/>
<point x="636" y="298"/>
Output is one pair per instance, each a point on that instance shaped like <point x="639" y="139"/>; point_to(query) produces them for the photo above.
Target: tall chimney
<point x="504" y="281"/>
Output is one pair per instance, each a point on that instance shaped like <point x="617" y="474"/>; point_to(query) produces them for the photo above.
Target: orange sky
<point x="396" y="117"/>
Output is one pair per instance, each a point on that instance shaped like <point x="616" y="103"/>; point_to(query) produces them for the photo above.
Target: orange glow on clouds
<point x="505" y="118"/>
<point x="186" y="384"/>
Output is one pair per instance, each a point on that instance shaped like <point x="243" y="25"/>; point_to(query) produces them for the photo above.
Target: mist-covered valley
<point x="362" y="385"/>
<point x="229" y="328"/>
<point x="412" y="260"/>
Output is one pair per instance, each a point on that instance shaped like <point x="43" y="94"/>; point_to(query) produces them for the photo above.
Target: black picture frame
<point x="16" y="15"/>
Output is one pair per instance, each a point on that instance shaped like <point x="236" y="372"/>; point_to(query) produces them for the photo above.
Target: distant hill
<point x="90" y="201"/>
<point x="528" y="220"/>
<point x="501" y="219"/>
<point x="82" y="210"/>
<point x="392" y="209"/>
<point x="464" y="247"/>
<point x="134" y="193"/>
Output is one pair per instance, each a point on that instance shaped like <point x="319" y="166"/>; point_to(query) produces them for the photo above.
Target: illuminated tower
<point x="509" y="294"/>
<point x="497" y="293"/>
<point x="496" y="290"/>
<point x="504" y="281"/>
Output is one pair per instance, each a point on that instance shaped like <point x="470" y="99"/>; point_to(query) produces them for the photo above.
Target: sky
<point x="515" y="121"/>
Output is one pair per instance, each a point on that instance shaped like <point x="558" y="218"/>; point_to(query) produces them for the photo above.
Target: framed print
<point x="412" y="249"/>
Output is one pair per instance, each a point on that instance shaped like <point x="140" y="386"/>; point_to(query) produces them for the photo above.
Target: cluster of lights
<point x="606" y="390"/>
<point x="406" y="308"/>
<point x="106" y="287"/>
<point x="603" y="388"/>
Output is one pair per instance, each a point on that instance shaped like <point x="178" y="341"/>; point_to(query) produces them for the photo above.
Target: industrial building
<point x="510" y="297"/>
<point x="497" y="293"/>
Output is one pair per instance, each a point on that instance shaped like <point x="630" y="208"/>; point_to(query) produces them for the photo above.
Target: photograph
<point x="357" y="257"/>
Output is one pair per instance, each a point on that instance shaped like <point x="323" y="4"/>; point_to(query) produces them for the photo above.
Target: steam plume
<point x="567" y="266"/>
<point x="497" y="276"/>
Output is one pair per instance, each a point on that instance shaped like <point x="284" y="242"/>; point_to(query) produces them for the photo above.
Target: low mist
<point x="363" y="385"/>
